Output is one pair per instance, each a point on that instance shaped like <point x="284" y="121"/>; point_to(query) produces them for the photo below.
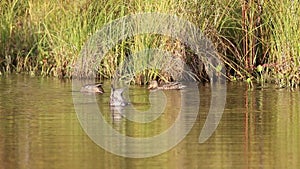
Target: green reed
<point x="253" y="38"/>
<point x="284" y="56"/>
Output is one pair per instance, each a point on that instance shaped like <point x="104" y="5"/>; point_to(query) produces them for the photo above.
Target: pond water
<point x="39" y="128"/>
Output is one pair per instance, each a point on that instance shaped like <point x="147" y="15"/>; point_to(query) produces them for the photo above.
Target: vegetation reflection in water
<point x="39" y="129"/>
<point x="139" y="99"/>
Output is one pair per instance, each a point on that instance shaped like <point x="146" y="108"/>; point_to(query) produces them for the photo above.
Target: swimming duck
<point x="168" y="86"/>
<point x="116" y="97"/>
<point x="92" y="88"/>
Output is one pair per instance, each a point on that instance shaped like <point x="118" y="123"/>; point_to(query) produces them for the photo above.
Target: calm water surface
<point x="39" y="129"/>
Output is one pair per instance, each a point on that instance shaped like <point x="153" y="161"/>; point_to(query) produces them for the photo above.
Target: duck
<point x="116" y="97"/>
<point x="92" y="88"/>
<point x="168" y="86"/>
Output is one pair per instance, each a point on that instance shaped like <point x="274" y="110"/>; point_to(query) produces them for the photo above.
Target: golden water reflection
<point x="39" y="129"/>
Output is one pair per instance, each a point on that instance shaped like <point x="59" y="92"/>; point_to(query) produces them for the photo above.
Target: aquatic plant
<point x="45" y="38"/>
<point x="284" y="56"/>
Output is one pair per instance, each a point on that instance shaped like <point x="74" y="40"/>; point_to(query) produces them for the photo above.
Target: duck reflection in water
<point x="117" y="103"/>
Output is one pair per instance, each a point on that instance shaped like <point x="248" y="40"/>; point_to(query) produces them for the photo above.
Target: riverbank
<point x="255" y="40"/>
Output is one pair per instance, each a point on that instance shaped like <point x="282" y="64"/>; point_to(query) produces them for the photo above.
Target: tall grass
<point x="253" y="38"/>
<point x="284" y="55"/>
<point x="45" y="37"/>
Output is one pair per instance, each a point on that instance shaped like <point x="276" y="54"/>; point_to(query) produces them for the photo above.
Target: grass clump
<point x="284" y="55"/>
<point x="254" y="39"/>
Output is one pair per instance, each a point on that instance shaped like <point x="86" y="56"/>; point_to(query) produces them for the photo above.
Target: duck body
<point x="116" y="97"/>
<point x="168" y="86"/>
<point x="92" y="88"/>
